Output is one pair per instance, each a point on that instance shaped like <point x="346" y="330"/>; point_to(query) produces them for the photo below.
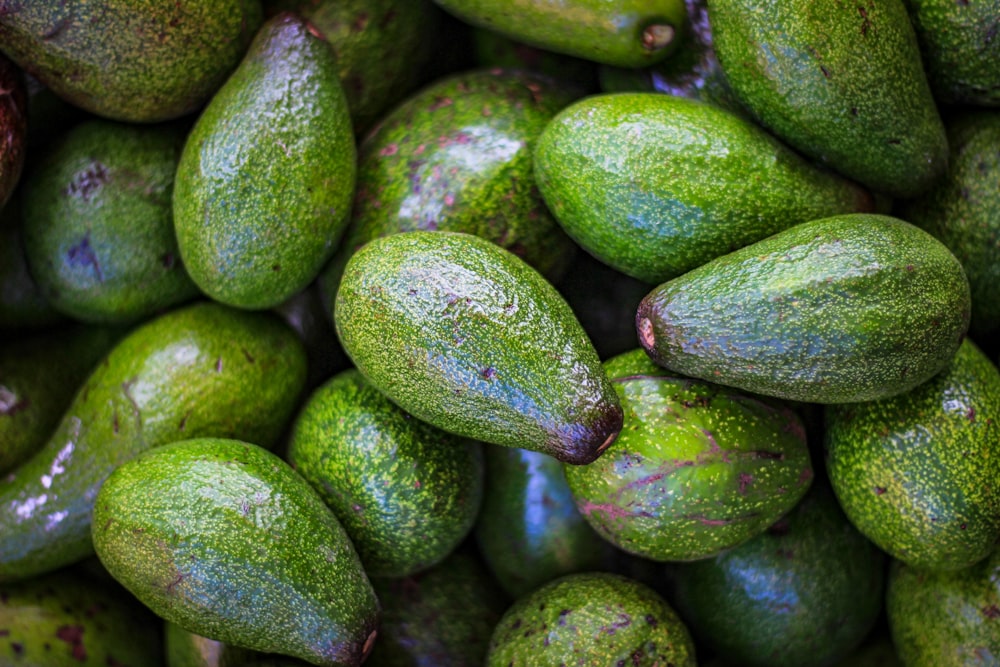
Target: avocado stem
<point x="657" y="36"/>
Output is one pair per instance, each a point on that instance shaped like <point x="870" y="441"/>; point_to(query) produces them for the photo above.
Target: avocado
<point x="23" y="307"/>
<point x="842" y="82"/>
<point x="187" y="649"/>
<point x="656" y="185"/>
<point x="224" y="539"/>
<point x="591" y="619"/>
<point x="265" y="180"/>
<point x="406" y="493"/>
<point x="837" y="310"/>
<point x="204" y="369"/>
<point x="464" y="335"/>
<point x="495" y="51"/>
<point x="13" y="127"/>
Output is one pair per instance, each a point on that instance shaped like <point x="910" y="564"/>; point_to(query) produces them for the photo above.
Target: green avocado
<point x="406" y="493"/>
<point x="187" y="649"/>
<point x="656" y="185"/>
<point x="130" y="60"/>
<point x="849" y="308"/>
<point x="13" y="127"/>
<point x="842" y="82"/>
<point x="464" y="335"/>
<point x="224" y="539"/>
<point x="203" y="370"/>
<point x="264" y="183"/>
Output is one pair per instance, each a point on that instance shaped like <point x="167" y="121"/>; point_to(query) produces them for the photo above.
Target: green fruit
<point x="656" y="185"/>
<point x="467" y="337"/>
<point x="843" y="309"/>
<point x="406" y="493"/>
<point x="224" y="539"/>
<point x="265" y="181"/>
<point x="203" y="370"/>
<point x="187" y="649"/>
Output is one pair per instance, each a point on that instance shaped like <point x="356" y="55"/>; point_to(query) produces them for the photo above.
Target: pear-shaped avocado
<point x="224" y="539"/>
<point x="464" y="335"/>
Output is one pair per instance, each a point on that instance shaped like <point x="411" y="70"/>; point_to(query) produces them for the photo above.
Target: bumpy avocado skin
<point x="656" y="185"/>
<point x="205" y="369"/>
<point x="407" y="493"/>
<point x="130" y="60"/>
<point x="842" y="82"/>
<point x="264" y="183"/>
<point x="916" y="472"/>
<point x="13" y="127"/>
<point x="849" y="308"/>
<point x="187" y="649"/>
<point x="224" y="539"/>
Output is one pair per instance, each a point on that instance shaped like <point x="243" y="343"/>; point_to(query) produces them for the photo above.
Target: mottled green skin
<point x="837" y="310"/>
<point x="224" y="539"/>
<point x="131" y="60"/>
<point x="803" y="594"/>
<point x="963" y="211"/>
<point x="22" y="304"/>
<point x="187" y="649"/>
<point x="467" y="337"/>
<point x="656" y="185"/>
<point x="439" y="618"/>
<point x="842" y="82"/>
<point x="203" y="370"/>
<point x="916" y="473"/>
<point x="13" y="126"/>
<point x="264" y="184"/>
<point x="591" y="619"/>
<point x="38" y="377"/>
<point x="697" y="468"/>
<point x="98" y="222"/>
<point x="491" y="49"/>
<point x="65" y="620"/>
<point x="406" y="493"/>
<point x="615" y="32"/>
<point x="529" y="530"/>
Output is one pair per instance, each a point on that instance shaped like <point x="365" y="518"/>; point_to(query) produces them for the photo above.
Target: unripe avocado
<point x="264" y="183"/>
<point x="464" y="335"/>
<point x="205" y="369"/>
<point x="849" y="308"/>
<point x="13" y="126"/>
<point x="224" y="539"/>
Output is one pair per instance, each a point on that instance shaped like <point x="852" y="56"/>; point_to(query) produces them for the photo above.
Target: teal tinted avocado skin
<point x="205" y="369"/>
<point x="843" y="84"/>
<point x="915" y="472"/>
<point x="464" y="335"/>
<point x="14" y="126"/>
<point x="224" y="539"/>
<point x="187" y="649"/>
<point x="138" y="61"/>
<point x="264" y="183"/>
<point x="656" y="185"/>
<point x="407" y="493"/>
<point x="849" y="308"/>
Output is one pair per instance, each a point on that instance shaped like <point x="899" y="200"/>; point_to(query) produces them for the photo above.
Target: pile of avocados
<point x="499" y="333"/>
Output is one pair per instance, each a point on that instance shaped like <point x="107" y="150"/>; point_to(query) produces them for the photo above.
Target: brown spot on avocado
<point x="73" y="635"/>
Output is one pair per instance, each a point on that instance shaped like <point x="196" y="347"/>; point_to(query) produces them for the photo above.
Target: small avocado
<point x="464" y="335"/>
<point x="13" y="126"/>
<point x="224" y="539"/>
<point x="187" y="649"/>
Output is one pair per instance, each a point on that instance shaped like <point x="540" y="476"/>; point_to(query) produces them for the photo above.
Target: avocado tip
<point x="657" y="36"/>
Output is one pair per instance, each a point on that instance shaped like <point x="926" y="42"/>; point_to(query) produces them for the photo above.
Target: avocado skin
<point x="656" y="185"/>
<point x="406" y="493"/>
<point x="264" y="184"/>
<point x="130" y="60"/>
<point x="915" y="473"/>
<point x="464" y="335"/>
<point x="843" y="309"/>
<point x="13" y="126"/>
<point x="205" y="369"/>
<point x="841" y="83"/>
<point x="224" y="539"/>
<point x="187" y="649"/>
<point x="493" y="50"/>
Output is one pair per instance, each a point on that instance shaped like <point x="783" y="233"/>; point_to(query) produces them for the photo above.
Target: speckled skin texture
<point x="837" y="310"/>
<point x="840" y="81"/>
<point x="224" y="539"/>
<point x="803" y="594"/>
<point x="467" y="337"/>
<point x="68" y="620"/>
<point x="697" y="468"/>
<point x="187" y="649"/>
<point x="203" y="370"/>
<point x="13" y="126"/>
<point x="132" y="60"/>
<point x="98" y="222"/>
<point x="917" y="473"/>
<point x="655" y="185"/>
<point x="945" y="619"/>
<point x="22" y="305"/>
<point x="406" y="493"/>
<point x="591" y="619"/>
<point x="264" y="184"/>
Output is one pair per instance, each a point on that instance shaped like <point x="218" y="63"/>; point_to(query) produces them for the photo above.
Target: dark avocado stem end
<point x="657" y="36"/>
<point x="369" y="644"/>
<point x="646" y="336"/>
